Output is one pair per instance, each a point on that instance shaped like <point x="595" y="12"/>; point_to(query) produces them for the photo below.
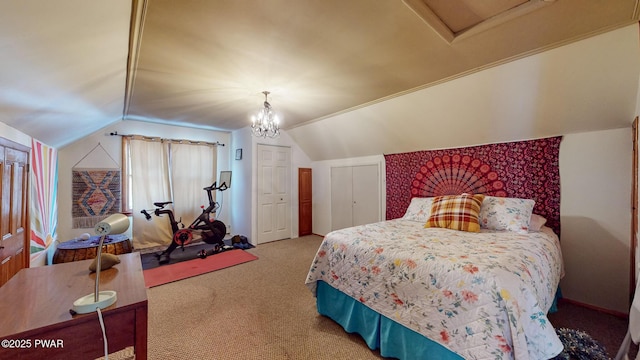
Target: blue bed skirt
<point x="378" y="331"/>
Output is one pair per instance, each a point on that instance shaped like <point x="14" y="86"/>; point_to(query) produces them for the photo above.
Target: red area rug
<point x="173" y="272"/>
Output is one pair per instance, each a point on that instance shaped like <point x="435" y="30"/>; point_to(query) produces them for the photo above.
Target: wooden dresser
<point x="35" y="318"/>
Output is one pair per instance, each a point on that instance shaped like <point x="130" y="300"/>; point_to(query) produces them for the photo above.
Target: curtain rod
<point x="217" y="143"/>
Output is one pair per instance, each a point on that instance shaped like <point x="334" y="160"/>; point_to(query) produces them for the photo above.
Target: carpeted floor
<point x="263" y="310"/>
<point x="259" y="310"/>
<point x="606" y="329"/>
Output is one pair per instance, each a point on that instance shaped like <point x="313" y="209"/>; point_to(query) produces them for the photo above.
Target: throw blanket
<point x="482" y="295"/>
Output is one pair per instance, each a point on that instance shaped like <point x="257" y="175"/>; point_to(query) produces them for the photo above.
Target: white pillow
<point x="419" y="209"/>
<point x="536" y="222"/>
<point x="501" y="213"/>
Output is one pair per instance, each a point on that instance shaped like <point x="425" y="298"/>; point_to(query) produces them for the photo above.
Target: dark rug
<point x="190" y="252"/>
<point x="578" y="345"/>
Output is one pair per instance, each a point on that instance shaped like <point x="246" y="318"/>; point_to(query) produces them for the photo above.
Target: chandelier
<point x="265" y="124"/>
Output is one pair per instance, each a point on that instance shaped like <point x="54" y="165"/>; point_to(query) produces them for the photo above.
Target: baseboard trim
<point x="596" y="308"/>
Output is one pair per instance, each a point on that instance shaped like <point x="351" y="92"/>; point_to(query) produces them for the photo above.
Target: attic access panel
<point x="455" y="19"/>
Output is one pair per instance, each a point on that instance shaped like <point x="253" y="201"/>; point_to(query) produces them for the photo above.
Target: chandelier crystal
<point x="265" y="123"/>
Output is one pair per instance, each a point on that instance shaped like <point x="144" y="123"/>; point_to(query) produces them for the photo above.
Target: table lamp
<point x="114" y="224"/>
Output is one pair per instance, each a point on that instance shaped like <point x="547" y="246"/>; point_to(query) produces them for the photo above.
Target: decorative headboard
<point x="522" y="169"/>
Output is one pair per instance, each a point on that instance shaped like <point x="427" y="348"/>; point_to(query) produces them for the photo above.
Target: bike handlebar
<point x="214" y="186"/>
<point x="212" y="204"/>
<point x="209" y="188"/>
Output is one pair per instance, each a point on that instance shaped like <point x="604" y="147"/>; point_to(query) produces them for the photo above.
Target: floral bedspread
<point x="482" y="295"/>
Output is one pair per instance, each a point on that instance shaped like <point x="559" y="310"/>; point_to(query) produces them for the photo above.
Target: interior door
<point x="274" y="194"/>
<point x="14" y="249"/>
<point x="634" y="214"/>
<point x="305" y="204"/>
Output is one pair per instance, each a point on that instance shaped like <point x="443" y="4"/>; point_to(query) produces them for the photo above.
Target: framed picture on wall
<point x="238" y="154"/>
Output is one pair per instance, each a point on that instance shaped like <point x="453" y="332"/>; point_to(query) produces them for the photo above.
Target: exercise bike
<point x="211" y="231"/>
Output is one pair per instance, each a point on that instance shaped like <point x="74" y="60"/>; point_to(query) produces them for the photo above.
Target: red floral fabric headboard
<point x="522" y="169"/>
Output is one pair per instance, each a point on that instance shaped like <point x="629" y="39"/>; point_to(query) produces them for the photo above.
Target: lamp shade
<point x="114" y="224"/>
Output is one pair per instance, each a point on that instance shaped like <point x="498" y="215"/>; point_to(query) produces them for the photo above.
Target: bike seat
<point x="161" y="204"/>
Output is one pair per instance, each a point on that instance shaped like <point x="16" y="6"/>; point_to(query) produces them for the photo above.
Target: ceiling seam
<point x="506" y="16"/>
<point x="469" y="72"/>
<point x="138" y="15"/>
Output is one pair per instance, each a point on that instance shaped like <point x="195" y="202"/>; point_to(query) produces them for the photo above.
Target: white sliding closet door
<point x="355" y="195"/>
<point x="341" y="197"/>
<point x="366" y="195"/>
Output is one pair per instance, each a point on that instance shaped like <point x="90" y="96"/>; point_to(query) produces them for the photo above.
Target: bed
<point x="416" y="288"/>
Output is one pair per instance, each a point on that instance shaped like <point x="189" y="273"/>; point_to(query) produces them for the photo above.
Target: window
<point x="159" y="170"/>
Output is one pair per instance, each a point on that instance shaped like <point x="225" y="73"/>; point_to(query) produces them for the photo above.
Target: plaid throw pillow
<point x="456" y="212"/>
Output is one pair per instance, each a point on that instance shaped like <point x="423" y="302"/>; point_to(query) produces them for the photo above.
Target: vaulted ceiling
<point x="71" y="67"/>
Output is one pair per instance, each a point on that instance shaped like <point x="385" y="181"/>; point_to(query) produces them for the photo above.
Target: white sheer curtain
<point x="149" y="183"/>
<point x="193" y="167"/>
<point x="167" y="171"/>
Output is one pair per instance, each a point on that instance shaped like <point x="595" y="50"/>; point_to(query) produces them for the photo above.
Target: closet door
<point x="366" y="195"/>
<point x="341" y="197"/>
<point x="355" y="196"/>
<point x="274" y="193"/>
<point x="14" y="250"/>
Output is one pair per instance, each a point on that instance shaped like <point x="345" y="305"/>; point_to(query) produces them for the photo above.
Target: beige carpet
<point x="263" y="310"/>
<point x="256" y="310"/>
